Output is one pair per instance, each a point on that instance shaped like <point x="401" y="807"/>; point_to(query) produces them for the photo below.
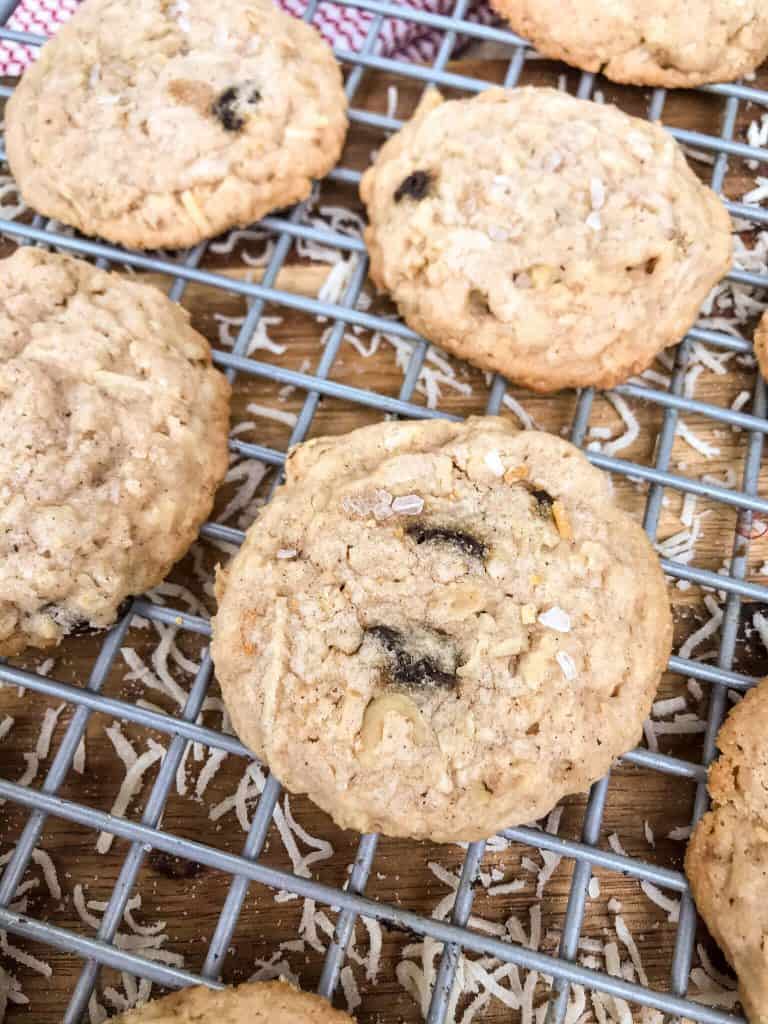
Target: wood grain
<point x="189" y="897"/>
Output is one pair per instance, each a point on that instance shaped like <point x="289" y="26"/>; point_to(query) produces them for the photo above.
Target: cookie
<point x="560" y="242"/>
<point x="256" y="1002"/>
<point x="162" y="123"/>
<point x="761" y="345"/>
<point x="113" y="439"/>
<point x="437" y="629"/>
<point x="727" y="857"/>
<point x="646" y="42"/>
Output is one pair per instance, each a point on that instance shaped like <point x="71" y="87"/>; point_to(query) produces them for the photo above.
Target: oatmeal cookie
<point x="761" y="344"/>
<point x="164" y="122"/>
<point x="438" y="629"/>
<point x="256" y="1002"/>
<point x="560" y="242"/>
<point x="113" y="439"/>
<point x="647" y="42"/>
<point x="727" y="857"/>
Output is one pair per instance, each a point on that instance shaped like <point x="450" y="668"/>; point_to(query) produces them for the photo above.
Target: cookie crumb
<point x="515" y="473"/>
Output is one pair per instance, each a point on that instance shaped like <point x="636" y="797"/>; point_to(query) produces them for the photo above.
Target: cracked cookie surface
<point x="437" y="630"/>
<point x="259" y="1002"/>
<point x="727" y="857"/>
<point x="164" y="123"/>
<point x="560" y="242"/>
<point x="647" y="42"/>
<point x="113" y="439"/>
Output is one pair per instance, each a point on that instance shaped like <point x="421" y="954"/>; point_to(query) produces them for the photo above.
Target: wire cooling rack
<point x="659" y="477"/>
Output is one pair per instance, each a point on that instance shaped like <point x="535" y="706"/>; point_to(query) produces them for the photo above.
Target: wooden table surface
<point x="189" y="897"/>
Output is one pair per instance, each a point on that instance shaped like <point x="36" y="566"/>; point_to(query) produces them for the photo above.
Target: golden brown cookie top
<point x="761" y="344"/>
<point x="558" y="241"/>
<point x="647" y="42"/>
<point x="439" y="629"/>
<point x="260" y="1002"/>
<point x="164" y="122"/>
<point x="113" y="439"/>
<point x="727" y="857"/>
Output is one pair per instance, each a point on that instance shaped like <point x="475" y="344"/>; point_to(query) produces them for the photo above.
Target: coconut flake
<point x="683" y="431"/>
<point x="615" y="844"/>
<point x="408" y="505"/>
<point x="662" y="708"/>
<point x="493" y="461"/>
<point x="136" y="766"/>
<point x="349" y="988"/>
<point x="649" y="731"/>
<point x="710" y="627"/>
<point x="557" y="619"/>
<point x="49" y="872"/>
<point x="30" y="772"/>
<point x="631" y="424"/>
<point x="567" y="664"/>
<point x="24" y="958"/>
<point x="50" y="718"/>
<point x="666" y="903"/>
<point x="267" y="412"/>
<point x="597" y="193"/>
<point x="526" y="420"/>
<point x="78" y="761"/>
<point x="207" y="773"/>
<point x="375" y="941"/>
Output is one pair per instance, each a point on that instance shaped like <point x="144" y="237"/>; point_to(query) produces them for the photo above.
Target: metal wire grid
<point x="352" y="902"/>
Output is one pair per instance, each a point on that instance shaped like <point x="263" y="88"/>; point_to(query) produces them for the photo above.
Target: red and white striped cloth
<point x="343" y="27"/>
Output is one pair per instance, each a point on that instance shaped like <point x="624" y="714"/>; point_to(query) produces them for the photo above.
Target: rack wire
<point x="248" y="867"/>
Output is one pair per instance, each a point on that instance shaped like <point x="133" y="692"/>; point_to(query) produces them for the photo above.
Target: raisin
<point x="81" y="627"/>
<point x="413" y="668"/>
<point x="544" y="502"/>
<point x="465" y="542"/>
<point x="231" y="105"/>
<point x="415" y="186"/>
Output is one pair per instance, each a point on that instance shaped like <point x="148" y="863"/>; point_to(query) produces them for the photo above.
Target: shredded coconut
<point x="349" y="988"/>
<point x="615" y="844"/>
<point x="632" y="427"/>
<point x="709" y="451"/>
<point x="136" y="767"/>
<point x="494" y="463"/>
<point x="268" y="412"/>
<point x="567" y="665"/>
<point x="662" y="708"/>
<point x="50" y="718"/>
<point x="526" y="420"/>
<point x="557" y="619"/>
<point x="667" y="903"/>
<point x="408" y="505"/>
